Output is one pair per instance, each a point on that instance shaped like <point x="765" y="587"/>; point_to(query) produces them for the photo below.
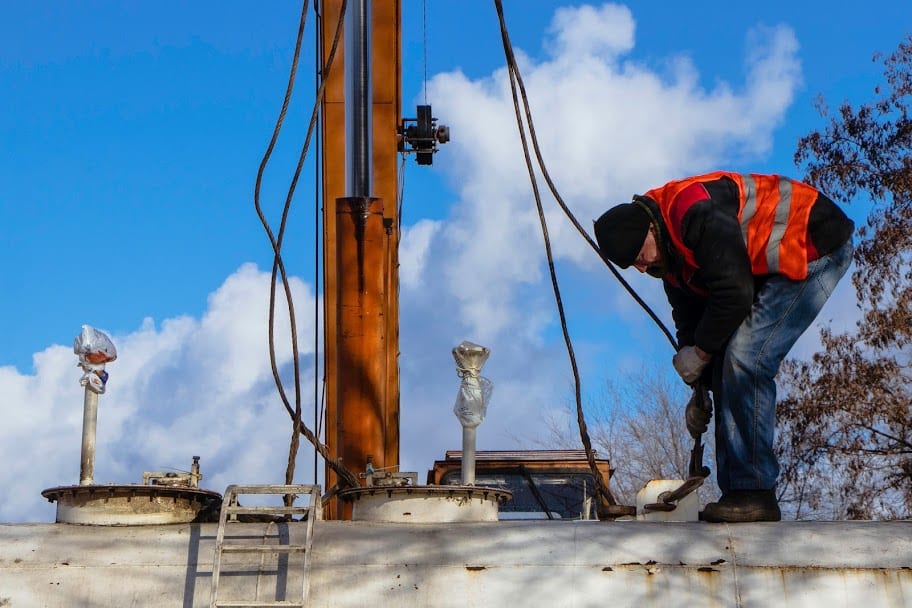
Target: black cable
<point x="424" y="26"/>
<point x="511" y="60"/>
<point x="318" y="42"/>
<point x="401" y="194"/>
<point x="584" y="434"/>
<point x="277" y="261"/>
<point x="516" y="81"/>
<point x="278" y="267"/>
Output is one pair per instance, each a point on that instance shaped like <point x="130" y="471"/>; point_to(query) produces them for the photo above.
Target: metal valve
<point x="421" y="135"/>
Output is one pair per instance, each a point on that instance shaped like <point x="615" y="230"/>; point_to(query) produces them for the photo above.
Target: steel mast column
<point x="361" y="240"/>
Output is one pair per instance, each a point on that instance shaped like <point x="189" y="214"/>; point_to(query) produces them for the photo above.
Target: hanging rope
<point x="278" y="267"/>
<point x="517" y="82"/>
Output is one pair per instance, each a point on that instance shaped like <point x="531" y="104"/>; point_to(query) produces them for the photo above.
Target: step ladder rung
<point x="235" y="509"/>
<point x="300" y="490"/>
<point x="263" y="549"/>
<point x="256" y="604"/>
<point x="232" y="543"/>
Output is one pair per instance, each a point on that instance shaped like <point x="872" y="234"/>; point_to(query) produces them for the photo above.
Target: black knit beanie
<point x="620" y="233"/>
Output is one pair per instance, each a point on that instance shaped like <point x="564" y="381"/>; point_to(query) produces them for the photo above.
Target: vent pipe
<point x="358" y="71"/>
<point x="471" y="402"/>
<point x="94" y="349"/>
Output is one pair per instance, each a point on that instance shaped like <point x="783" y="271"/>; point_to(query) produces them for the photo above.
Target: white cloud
<point x="189" y="388"/>
<point x="608" y="125"/>
<point x="606" y="31"/>
<point x="416" y="241"/>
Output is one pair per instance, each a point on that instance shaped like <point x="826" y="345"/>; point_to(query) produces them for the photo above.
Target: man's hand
<point x="689" y="363"/>
<point x="698" y="412"/>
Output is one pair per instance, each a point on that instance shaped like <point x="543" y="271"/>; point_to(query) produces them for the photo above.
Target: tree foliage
<point x="846" y="423"/>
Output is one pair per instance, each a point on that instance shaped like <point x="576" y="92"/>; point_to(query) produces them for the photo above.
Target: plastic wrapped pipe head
<point x="470" y="357"/>
<point x="474" y="390"/>
<point x="95" y="349"/>
<point x="94" y="346"/>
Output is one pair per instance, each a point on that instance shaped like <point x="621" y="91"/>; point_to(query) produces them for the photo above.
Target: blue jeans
<point x="745" y="403"/>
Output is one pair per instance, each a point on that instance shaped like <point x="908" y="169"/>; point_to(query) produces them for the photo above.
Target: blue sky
<point x="131" y="134"/>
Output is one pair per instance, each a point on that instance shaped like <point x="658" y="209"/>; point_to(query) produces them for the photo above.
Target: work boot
<point x="743" y="506"/>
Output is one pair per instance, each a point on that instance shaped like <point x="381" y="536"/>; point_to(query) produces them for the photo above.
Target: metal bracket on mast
<point x="421" y="135"/>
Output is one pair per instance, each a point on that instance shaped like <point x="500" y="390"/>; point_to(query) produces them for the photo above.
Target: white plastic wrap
<point x="472" y="400"/>
<point x="474" y="390"/>
<point x="95" y="349"/>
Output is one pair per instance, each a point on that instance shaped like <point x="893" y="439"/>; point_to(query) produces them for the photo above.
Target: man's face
<point x="650" y="258"/>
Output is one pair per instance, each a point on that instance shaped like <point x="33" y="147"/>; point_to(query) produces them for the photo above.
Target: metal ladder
<point x="231" y="509"/>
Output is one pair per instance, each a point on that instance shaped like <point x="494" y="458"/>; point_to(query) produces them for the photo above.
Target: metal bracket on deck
<point x="668" y="500"/>
<point x="696" y="471"/>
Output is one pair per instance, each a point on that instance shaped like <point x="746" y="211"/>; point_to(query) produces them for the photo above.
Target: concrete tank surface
<point x="522" y="563"/>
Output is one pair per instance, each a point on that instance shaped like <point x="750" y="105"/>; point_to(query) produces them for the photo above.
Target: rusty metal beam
<point x="332" y="115"/>
<point x="361" y="261"/>
<point x="387" y="111"/>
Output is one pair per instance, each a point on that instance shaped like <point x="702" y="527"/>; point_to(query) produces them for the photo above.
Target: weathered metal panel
<point x="541" y="563"/>
<point x="635" y="564"/>
<point x="74" y="566"/>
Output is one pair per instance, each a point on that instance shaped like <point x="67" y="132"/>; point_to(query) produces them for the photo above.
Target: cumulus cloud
<point x="189" y="387"/>
<point x="587" y="30"/>
<point x="608" y="126"/>
<point x="413" y="252"/>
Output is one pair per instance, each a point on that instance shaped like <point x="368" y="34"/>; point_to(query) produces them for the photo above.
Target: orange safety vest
<point x="772" y="210"/>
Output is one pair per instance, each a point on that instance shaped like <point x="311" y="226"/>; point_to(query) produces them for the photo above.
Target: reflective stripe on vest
<point x="773" y="215"/>
<point x="779" y="222"/>
<point x="773" y="218"/>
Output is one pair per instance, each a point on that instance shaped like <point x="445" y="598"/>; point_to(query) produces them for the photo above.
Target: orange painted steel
<point x="361" y="262"/>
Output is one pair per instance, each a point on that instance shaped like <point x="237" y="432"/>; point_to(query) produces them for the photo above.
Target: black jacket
<point x="709" y="308"/>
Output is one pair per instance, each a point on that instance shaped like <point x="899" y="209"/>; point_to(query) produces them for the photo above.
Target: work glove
<point x="698" y="412"/>
<point x="688" y="364"/>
